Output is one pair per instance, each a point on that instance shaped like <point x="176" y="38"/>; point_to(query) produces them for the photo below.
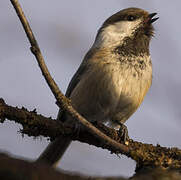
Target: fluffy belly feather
<point x="112" y="94"/>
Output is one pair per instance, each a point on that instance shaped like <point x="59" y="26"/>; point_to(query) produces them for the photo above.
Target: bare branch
<point x="62" y="101"/>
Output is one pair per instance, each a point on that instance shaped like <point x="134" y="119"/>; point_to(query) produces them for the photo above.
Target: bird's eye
<point x="131" y="18"/>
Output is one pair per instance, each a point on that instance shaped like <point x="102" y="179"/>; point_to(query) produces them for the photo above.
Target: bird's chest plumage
<point x="125" y="82"/>
<point x="112" y="87"/>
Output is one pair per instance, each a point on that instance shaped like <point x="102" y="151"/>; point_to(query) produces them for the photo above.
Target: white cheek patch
<point x="114" y="34"/>
<point x="126" y="27"/>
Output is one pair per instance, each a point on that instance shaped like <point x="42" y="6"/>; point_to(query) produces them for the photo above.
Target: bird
<point x="113" y="78"/>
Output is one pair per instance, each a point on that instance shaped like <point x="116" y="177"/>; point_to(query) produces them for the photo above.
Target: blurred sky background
<point x="65" y="31"/>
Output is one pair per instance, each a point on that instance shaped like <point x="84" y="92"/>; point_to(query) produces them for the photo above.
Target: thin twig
<point x="62" y="101"/>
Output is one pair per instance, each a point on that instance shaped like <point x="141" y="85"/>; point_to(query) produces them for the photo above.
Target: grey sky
<point x="65" y="30"/>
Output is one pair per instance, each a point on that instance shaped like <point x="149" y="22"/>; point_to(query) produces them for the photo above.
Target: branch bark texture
<point x="145" y="155"/>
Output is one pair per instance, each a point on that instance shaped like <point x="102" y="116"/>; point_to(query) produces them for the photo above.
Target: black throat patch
<point x="136" y="46"/>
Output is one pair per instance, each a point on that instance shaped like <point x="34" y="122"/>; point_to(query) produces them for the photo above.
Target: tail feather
<point x="54" y="151"/>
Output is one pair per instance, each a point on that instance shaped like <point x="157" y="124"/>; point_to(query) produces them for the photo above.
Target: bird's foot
<point x="123" y="133"/>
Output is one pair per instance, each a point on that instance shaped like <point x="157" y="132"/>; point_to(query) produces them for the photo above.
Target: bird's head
<point x="131" y="24"/>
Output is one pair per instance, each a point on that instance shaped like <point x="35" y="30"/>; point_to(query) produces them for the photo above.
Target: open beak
<point x="150" y="19"/>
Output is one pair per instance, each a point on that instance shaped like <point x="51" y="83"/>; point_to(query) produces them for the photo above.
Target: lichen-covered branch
<point x="145" y="155"/>
<point x="37" y="125"/>
<point x="32" y="123"/>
